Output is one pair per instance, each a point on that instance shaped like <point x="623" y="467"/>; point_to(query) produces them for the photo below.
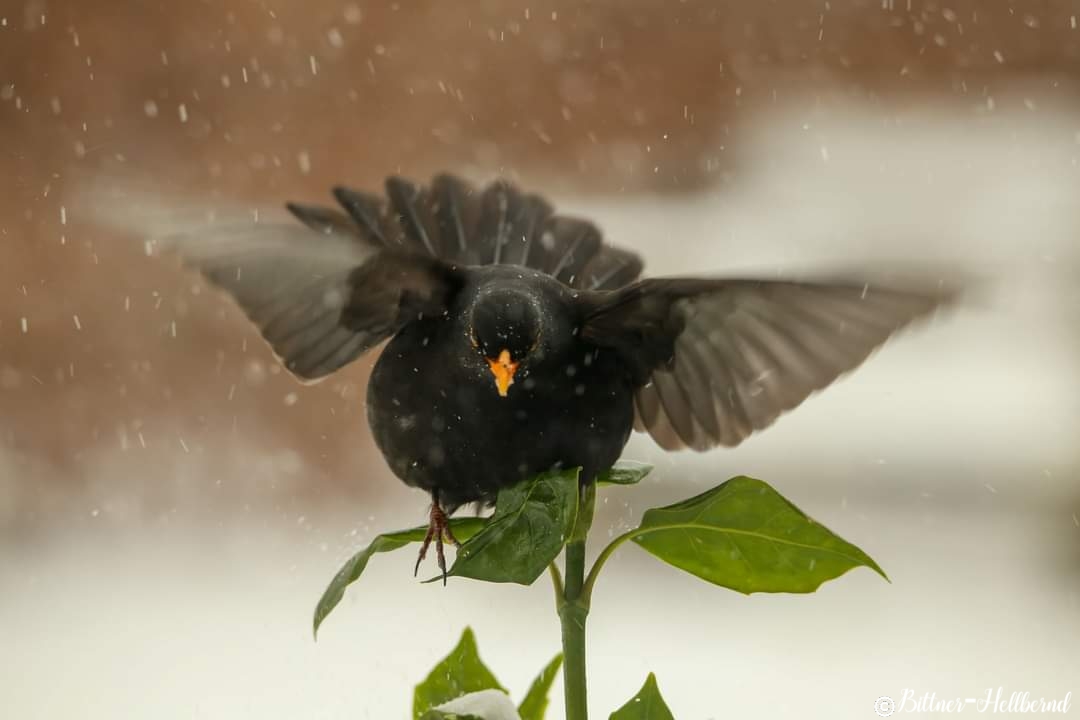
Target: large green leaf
<point x="459" y="673"/>
<point x="535" y="704"/>
<point x="625" y="472"/>
<point x="350" y="572"/>
<point x="646" y="705"/>
<point x="530" y="525"/>
<point x="745" y="536"/>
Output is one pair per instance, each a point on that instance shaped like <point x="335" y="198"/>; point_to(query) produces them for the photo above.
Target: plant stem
<point x="557" y="583"/>
<point x="572" y="615"/>
<point x="594" y="573"/>
<point x="575" y="609"/>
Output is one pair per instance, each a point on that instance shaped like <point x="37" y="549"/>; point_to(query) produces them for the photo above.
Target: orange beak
<point x="503" y="369"/>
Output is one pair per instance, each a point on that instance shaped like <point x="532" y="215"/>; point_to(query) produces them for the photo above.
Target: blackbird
<point x="519" y="341"/>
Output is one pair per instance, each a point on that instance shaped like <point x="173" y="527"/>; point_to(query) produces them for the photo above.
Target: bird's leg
<point x="438" y="531"/>
<point x="423" y="548"/>
<point x="448" y="534"/>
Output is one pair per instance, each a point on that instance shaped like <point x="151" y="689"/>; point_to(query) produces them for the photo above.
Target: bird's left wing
<point x="716" y="360"/>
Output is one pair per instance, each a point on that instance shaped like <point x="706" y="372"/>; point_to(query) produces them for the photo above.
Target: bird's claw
<point x="438" y="531"/>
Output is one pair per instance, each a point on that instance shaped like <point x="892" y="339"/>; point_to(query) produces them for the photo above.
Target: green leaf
<point x="625" y="472"/>
<point x="459" y="673"/>
<point x="350" y="572"/>
<point x="535" y="703"/>
<point x="745" y="536"/>
<point x="530" y="525"/>
<point x="646" y="705"/>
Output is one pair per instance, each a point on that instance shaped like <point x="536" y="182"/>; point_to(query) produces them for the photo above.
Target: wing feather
<point x="721" y="359"/>
<point x="499" y="225"/>
<point x="319" y="302"/>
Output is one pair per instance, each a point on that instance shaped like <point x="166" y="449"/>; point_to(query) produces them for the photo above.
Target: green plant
<point x="741" y="535"/>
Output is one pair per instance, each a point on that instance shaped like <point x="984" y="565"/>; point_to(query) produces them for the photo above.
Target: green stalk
<point x="572" y="615"/>
<point x="574" y="610"/>
<point x="590" y="581"/>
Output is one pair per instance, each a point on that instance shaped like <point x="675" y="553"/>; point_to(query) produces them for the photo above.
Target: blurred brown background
<point x="171" y="502"/>
<point x="267" y="101"/>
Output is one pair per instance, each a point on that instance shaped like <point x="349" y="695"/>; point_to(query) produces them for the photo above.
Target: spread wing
<point x="323" y="298"/>
<point x="460" y="225"/>
<point x="717" y="360"/>
<point x="319" y="302"/>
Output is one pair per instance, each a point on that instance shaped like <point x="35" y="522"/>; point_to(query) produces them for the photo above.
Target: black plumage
<point x="519" y="340"/>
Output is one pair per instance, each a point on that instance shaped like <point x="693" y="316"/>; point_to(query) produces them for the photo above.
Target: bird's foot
<point x="438" y="531"/>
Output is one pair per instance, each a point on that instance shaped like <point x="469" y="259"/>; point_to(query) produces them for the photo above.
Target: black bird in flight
<point x="519" y="341"/>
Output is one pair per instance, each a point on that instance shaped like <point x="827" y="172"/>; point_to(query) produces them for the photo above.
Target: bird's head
<point x="505" y="328"/>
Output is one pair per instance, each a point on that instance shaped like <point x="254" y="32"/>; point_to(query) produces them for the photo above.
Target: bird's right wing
<point x="319" y="299"/>
<point x="319" y="302"/>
